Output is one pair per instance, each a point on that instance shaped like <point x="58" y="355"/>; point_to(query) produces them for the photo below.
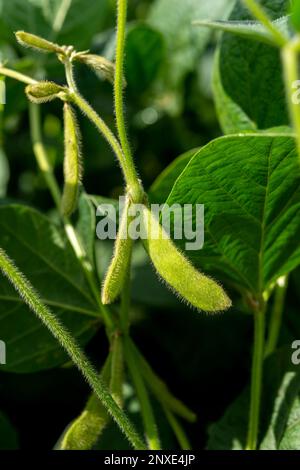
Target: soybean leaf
<point x="251" y="72"/>
<point x="9" y="439"/>
<point x="248" y="29"/>
<point x="249" y="185"/>
<point x="66" y="21"/>
<point x="145" y="51"/>
<point x="231" y="116"/>
<point x="279" y="426"/>
<point x="185" y="43"/>
<point x="44" y="254"/>
<point x="162" y="186"/>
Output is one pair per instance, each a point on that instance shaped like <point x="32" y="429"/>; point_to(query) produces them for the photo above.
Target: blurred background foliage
<point x="170" y="110"/>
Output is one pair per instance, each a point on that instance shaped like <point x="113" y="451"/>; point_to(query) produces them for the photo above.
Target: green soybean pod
<point x="100" y="65"/>
<point x="43" y="91"/>
<point x="120" y="263"/>
<point x="84" y="431"/>
<point x="37" y="43"/>
<point x="191" y="285"/>
<point x="72" y="162"/>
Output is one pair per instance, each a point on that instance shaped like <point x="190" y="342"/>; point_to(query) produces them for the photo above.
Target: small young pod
<point x="72" y="162"/>
<point x="197" y="289"/>
<point x="104" y="68"/>
<point x="42" y="92"/>
<point x="37" y="43"/>
<point x="118" y="269"/>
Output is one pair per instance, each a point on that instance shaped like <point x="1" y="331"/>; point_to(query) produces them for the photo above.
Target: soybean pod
<point x="72" y="162"/>
<point x="191" y="285"/>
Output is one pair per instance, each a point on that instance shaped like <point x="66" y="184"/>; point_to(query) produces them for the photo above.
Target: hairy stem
<point x="143" y="397"/>
<point x="178" y="431"/>
<point x="102" y="127"/>
<point x="256" y="378"/>
<point x="276" y="315"/>
<point x="130" y="172"/>
<point x="257" y="11"/>
<point x="31" y="298"/>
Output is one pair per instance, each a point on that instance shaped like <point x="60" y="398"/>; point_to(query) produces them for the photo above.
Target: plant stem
<point x="276" y="315"/>
<point x="70" y="75"/>
<point x="257" y="377"/>
<point x="178" y="431"/>
<point x="125" y="304"/>
<point x="104" y="130"/>
<point x="257" y="11"/>
<point x="160" y="390"/>
<point x="290" y="65"/>
<point x="131" y="175"/>
<point x="31" y="298"/>
<point x="143" y="397"/>
<point x="20" y="77"/>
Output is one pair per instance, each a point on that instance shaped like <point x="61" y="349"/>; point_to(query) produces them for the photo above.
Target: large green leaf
<point x="66" y="21"/>
<point x="281" y="412"/>
<point x="41" y="250"/>
<point x="251" y="73"/>
<point x="8" y="440"/>
<point x="250" y="186"/>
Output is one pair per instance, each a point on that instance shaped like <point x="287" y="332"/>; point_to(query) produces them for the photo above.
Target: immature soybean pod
<point x="72" y="162"/>
<point x="197" y="289"/>
<point x="118" y="269"/>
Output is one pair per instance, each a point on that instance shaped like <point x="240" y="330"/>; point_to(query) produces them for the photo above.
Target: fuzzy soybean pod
<point x="180" y="275"/>
<point x="37" y="43"/>
<point x="72" y="162"/>
<point x="120" y="263"/>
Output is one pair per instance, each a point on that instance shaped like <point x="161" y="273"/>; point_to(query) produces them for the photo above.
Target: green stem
<point x="178" y="431"/>
<point x="257" y="11"/>
<point x="276" y="315"/>
<point x="160" y="390"/>
<point x="132" y="179"/>
<point x="125" y="304"/>
<point x="70" y="75"/>
<point x="20" y="77"/>
<point x="256" y="378"/>
<point x="290" y="66"/>
<point x="143" y="397"/>
<point x="31" y="298"/>
<point x="102" y="127"/>
<point x="117" y="369"/>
